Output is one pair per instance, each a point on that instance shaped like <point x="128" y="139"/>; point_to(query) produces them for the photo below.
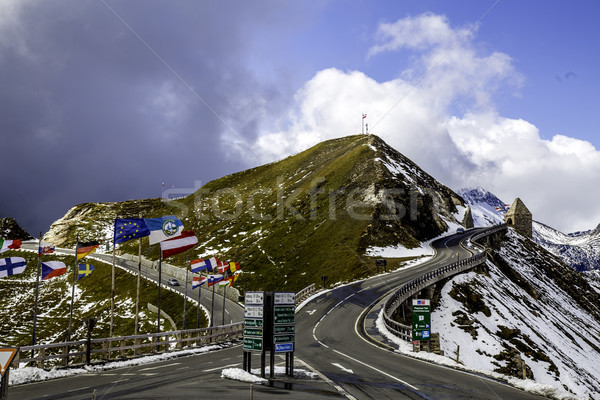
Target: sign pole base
<point x="4" y="385"/>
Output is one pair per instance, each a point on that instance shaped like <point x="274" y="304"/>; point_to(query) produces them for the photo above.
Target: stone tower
<point x="519" y="218"/>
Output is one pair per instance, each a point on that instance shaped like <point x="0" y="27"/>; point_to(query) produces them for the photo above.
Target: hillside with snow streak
<point x="528" y="307"/>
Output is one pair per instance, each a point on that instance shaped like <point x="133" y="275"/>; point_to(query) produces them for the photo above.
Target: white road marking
<point x="74" y="390"/>
<point x="343" y="368"/>
<point x="224" y="366"/>
<point x="160" y="366"/>
<point x="376" y="369"/>
<point x="311" y="312"/>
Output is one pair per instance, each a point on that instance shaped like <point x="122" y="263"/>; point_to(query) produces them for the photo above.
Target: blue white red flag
<point x="50" y="269"/>
<point x="12" y="266"/>
<point x="209" y="264"/>
<point x="197" y="281"/>
<point x="45" y="248"/>
<point x="212" y="279"/>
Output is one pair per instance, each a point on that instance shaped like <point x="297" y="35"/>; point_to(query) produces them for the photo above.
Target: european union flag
<point x="132" y="228"/>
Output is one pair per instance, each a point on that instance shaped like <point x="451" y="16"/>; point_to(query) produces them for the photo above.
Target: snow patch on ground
<point x="528" y="385"/>
<point x="33" y="374"/>
<point x="239" y="374"/>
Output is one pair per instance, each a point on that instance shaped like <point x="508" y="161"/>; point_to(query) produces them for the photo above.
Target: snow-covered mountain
<point x="529" y="308"/>
<point x="580" y="250"/>
<point x="486" y="208"/>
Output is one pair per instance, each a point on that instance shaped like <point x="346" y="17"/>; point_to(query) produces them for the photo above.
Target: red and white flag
<point x="222" y="267"/>
<point x="178" y="244"/>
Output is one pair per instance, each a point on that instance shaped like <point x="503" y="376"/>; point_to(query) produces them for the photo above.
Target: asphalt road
<point x="330" y="339"/>
<point x="234" y="312"/>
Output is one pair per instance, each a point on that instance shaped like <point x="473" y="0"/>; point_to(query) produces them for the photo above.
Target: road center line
<point x="376" y="369"/>
<point x="224" y="366"/>
<point x="160" y="366"/>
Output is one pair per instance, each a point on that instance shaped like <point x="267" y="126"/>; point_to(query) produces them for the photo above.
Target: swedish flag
<point x="127" y="229"/>
<point x="84" y="270"/>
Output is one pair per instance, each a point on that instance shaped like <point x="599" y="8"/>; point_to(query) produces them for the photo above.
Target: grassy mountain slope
<point x="92" y="300"/>
<point x="290" y="222"/>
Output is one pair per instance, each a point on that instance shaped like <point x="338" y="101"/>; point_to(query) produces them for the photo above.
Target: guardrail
<point x="304" y="293"/>
<point x="411" y="288"/>
<point x="115" y="348"/>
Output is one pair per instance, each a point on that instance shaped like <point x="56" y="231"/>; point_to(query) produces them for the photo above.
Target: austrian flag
<point x="178" y="244"/>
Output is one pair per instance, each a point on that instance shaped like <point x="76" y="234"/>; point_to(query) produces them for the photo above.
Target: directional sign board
<point x="284" y="347"/>
<point x="421" y="326"/>
<point x="253" y="344"/>
<point x="6" y="356"/>
<point x="253" y="311"/>
<point x="256" y="298"/>
<point x="284" y="328"/>
<point x="253" y="321"/>
<point x="284" y="298"/>
<point x="284" y="314"/>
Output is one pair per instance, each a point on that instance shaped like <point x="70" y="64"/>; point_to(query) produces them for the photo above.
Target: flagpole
<point x="73" y="290"/>
<point x="37" y="294"/>
<point x="198" y="310"/>
<point x="186" y="287"/>
<point x="139" y="277"/>
<point x="224" y="296"/>
<point x="363" y="124"/>
<point x="212" y="307"/>
<point x="112" y="289"/>
<point x="159" y="280"/>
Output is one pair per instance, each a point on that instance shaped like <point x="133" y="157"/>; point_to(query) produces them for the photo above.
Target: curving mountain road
<point x="332" y="337"/>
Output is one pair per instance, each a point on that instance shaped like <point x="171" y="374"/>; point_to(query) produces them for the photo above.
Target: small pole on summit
<point x="363" y="123"/>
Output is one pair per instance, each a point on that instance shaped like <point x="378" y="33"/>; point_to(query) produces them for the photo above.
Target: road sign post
<point x="269" y="325"/>
<point x="421" y="320"/>
<point x="284" y="327"/>
<point x="253" y="328"/>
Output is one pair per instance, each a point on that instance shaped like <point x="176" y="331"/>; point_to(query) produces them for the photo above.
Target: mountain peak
<point x="317" y="212"/>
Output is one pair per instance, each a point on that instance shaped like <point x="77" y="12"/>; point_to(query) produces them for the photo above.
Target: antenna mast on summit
<point x="363" y="124"/>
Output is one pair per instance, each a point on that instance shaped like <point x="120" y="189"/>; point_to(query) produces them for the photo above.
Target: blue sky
<point x="124" y="95"/>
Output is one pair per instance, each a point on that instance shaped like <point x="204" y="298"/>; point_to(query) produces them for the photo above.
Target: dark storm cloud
<point x="90" y="113"/>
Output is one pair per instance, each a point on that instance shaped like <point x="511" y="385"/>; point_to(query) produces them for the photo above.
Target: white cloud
<point x="417" y="33"/>
<point x="12" y="31"/>
<point x="415" y="113"/>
